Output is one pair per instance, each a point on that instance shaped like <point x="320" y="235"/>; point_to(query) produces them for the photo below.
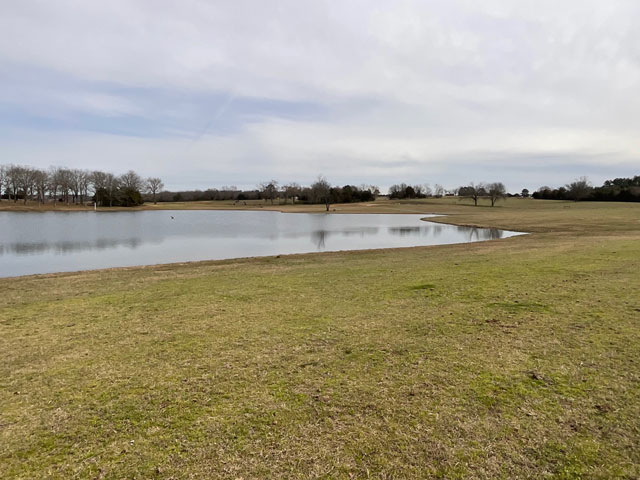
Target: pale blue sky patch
<point x="41" y="99"/>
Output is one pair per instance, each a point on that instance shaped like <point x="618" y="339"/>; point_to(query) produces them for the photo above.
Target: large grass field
<point x="516" y="358"/>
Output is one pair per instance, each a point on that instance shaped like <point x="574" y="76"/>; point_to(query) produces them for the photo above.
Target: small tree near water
<point x="154" y="186"/>
<point x="321" y="191"/>
<point x="269" y="190"/>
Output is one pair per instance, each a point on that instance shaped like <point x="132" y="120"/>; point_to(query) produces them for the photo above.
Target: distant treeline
<point x="318" y="192"/>
<point x="75" y="186"/>
<point x="616" y="190"/>
<point x="493" y="191"/>
<point x="402" y="191"/>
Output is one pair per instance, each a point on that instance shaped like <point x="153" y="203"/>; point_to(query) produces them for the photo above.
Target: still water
<point x="67" y="241"/>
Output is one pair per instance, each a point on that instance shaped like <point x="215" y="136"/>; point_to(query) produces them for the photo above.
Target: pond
<point x="49" y="242"/>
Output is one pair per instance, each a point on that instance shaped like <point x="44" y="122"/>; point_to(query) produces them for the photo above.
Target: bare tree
<point x="84" y="181"/>
<point x="496" y="191"/>
<point x="112" y="184"/>
<point x="154" y="186"/>
<point x="131" y="180"/>
<point x="53" y="184"/>
<point x="579" y="189"/>
<point x="321" y="192"/>
<point x="269" y="190"/>
<point x="12" y="182"/>
<point x="438" y="190"/>
<point x="41" y="180"/>
<point x="105" y="186"/>
<point x="65" y="179"/>
<point x="98" y="179"/>
<point x="291" y="191"/>
<point x="477" y="191"/>
<point x="75" y="177"/>
<point x="3" y="175"/>
<point x="26" y="181"/>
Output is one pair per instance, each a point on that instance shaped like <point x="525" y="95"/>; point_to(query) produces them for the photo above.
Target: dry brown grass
<point x="516" y="358"/>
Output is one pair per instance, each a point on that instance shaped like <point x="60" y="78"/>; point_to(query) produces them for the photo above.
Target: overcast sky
<point x="212" y="93"/>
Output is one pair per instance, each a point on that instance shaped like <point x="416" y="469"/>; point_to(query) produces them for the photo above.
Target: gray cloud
<point x="212" y="93"/>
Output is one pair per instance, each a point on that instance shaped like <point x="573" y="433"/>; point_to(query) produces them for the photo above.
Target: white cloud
<point x="412" y="87"/>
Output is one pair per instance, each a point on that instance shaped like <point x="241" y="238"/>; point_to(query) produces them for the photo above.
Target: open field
<point x="517" y="358"/>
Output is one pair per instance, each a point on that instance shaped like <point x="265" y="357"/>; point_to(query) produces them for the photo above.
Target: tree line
<point x="494" y="191"/>
<point x="75" y="186"/>
<point x="78" y="186"/>
<point x="402" y="191"/>
<point x="616" y="190"/>
<point x="271" y="191"/>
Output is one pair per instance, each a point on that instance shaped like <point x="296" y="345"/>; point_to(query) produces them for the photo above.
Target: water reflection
<point x="404" y="231"/>
<point x="472" y="234"/>
<point x="319" y="237"/>
<point x="347" y="232"/>
<point x="480" y="234"/>
<point x="27" y="248"/>
<point x="61" y="241"/>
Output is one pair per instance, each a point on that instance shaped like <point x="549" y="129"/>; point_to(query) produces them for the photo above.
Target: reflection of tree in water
<point x="435" y="230"/>
<point x="25" y="248"/>
<point x="360" y="231"/>
<point x="404" y="231"/>
<point x="431" y="230"/>
<point x="483" y="233"/>
<point x="319" y="238"/>
<point x="495" y="233"/>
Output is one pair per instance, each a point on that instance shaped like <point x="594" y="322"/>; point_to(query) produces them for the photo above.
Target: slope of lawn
<point x="505" y="359"/>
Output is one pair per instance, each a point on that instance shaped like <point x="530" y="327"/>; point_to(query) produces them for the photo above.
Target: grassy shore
<point x="517" y="358"/>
